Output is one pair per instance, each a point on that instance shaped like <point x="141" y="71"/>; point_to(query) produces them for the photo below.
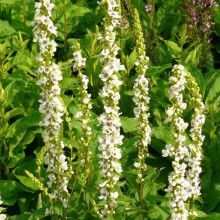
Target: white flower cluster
<point x="111" y="139"/>
<point x="184" y="180"/>
<point x="79" y="62"/>
<point x="178" y="187"/>
<point x="84" y="115"/>
<point x="195" y="151"/>
<point x="50" y="105"/>
<point x="2" y="216"/>
<point x="141" y="99"/>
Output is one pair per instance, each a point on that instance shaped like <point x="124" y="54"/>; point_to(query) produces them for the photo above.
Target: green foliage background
<point x="167" y="43"/>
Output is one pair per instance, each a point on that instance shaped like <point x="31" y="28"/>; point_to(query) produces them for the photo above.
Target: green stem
<point x="191" y="202"/>
<point x="141" y="196"/>
<point x="121" y="46"/>
<point x="24" y="12"/>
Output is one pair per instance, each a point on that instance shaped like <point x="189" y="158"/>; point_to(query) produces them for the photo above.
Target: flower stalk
<point x="184" y="179"/>
<point x="110" y="139"/>
<point x="51" y="107"/>
<point x="141" y="100"/>
<point x="178" y="184"/>
<point x="195" y="148"/>
<point x="84" y="115"/>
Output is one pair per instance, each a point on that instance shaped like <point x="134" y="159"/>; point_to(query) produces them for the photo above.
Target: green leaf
<point x="157" y="70"/>
<point x="192" y="56"/>
<point x="131" y="178"/>
<point x="216" y="117"/>
<point x="8" y="189"/>
<point x="14" y="112"/>
<point x="128" y="145"/>
<point x="173" y="48"/>
<point x="6" y="30"/>
<point x="209" y="127"/>
<point x="9" y="94"/>
<point x="158" y="212"/>
<point x="163" y="133"/>
<point x="20" y="217"/>
<point x="157" y="198"/>
<point x="210" y="78"/>
<point x="20" y="174"/>
<point x="129" y="124"/>
<point x="19" y="58"/>
<point x="131" y="59"/>
<point x="217" y="15"/>
<point x="28" y="137"/>
<point x="68" y="84"/>
<point x="38" y="214"/>
<point x="214" y="92"/>
<point x="79" y="11"/>
<point x="30" y="120"/>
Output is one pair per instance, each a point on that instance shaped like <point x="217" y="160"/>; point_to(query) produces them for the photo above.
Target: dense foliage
<point x="109" y="109"/>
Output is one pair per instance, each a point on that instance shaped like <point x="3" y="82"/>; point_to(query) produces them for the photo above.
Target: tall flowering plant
<point x="195" y="148"/>
<point x="141" y="100"/>
<point x="110" y="139"/>
<point x="84" y="114"/>
<point x="51" y="107"/>
<point x="184" y="179"/>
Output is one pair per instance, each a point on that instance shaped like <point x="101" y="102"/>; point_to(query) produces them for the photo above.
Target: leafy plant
<point x="169" y="39"/>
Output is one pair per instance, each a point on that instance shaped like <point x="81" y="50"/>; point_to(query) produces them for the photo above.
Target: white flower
<point x="136" y="164"/>
<point x="104" y="193"/>
<point x="114" y="195"/>
<point x="3" y="216"/>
